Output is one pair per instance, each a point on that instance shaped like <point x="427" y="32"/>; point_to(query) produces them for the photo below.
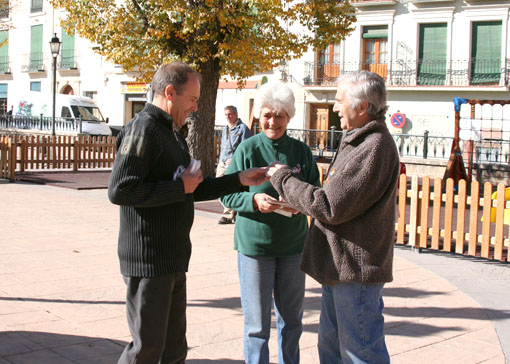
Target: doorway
<point x="136" y="107"/>
<point x="67" y="90"/>
<point x="322" y="117"/>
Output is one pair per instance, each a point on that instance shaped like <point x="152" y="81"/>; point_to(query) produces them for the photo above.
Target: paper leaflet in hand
<point x="194" y="167"/>
<point x="277" y="202"/>
<point x="281" y="204"/>
<point x="283" y="212"/>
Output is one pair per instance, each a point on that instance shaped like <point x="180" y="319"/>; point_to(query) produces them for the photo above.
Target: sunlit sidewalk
<point x="62" y="296"/>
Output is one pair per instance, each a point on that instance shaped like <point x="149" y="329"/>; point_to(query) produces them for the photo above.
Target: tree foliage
<point x="235" y="38"/>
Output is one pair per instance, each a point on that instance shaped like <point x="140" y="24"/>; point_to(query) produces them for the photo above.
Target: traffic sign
<point x="398" y="120"/>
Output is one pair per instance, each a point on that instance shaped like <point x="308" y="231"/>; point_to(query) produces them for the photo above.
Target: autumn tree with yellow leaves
<point x="235" y="38"/>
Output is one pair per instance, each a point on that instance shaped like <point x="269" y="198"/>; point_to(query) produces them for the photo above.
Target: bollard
<point x="333" y="138"/>
<point x="425" y="144"/>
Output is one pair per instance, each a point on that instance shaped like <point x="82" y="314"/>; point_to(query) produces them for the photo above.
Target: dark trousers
<point x="156" y="314"/>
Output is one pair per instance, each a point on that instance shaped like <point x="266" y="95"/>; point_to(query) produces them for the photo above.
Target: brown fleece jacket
<point x="352" y="235"/>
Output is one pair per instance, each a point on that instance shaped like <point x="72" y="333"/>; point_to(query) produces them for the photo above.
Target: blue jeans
<point x="260" y="278"/>
<point x="351" y="327"/>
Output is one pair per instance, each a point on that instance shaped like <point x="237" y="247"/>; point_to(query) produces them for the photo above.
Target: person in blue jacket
<point x="232" y="135"/>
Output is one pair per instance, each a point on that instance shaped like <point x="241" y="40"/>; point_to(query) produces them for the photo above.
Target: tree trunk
<point x="201" y="123"/>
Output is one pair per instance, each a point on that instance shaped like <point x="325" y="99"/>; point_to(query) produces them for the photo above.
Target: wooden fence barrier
<point x="32" y="152"/>
<point x="7" y="163"/>
<point x="453" y="220"/>
<point x="217" y="147"/>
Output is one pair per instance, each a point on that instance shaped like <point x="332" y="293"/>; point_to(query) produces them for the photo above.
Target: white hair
<point x="367" y="86"/>
<point x="276" y="96"/>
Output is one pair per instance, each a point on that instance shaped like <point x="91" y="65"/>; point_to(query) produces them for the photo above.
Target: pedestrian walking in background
<point x="231" y="136"/>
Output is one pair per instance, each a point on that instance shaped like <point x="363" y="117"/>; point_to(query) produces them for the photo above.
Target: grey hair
<point x="367" y="86"/>
<point x="175" y="74"/>
<point x="276" y="96"/>
<point x="231" y="109"/>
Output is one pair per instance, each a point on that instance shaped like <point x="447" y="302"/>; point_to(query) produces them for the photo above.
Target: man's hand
<point x="273" y="167"/>
<point x="228" y="161"/>
<point x="191" y="180"/>
<point x="253" y="176"/>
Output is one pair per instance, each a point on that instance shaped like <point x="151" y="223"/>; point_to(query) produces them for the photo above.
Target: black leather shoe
<point x="225" y="220"/>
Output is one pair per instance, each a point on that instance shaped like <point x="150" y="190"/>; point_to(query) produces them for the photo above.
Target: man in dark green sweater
<point x="155" y="183"/>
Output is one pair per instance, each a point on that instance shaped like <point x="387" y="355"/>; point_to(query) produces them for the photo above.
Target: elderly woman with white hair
<point x="269" y="237"/>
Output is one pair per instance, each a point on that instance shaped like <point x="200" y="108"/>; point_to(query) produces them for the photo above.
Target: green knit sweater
<point x="269" y="234"/>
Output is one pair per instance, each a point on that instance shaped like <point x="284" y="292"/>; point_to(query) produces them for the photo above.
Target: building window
<point x="67" y="60"/>
<point x="36" y="44"/>
<point x="486" y="53"/>
<point x="3" y="98"/>
<point x="328" y="65"/>
<point x="36" y="6"/>
<point x="4" y="51"/>
<point x="91" y="94"/>
<point x="375" y="49"/>
<point x="35" y="86"/>
<point x="432" y="54"/>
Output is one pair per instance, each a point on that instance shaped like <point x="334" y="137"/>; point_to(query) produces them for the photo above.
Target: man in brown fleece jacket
<point x="349" y="247"/>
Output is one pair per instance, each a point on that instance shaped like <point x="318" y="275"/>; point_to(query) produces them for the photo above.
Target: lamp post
<point x="55" y="49"/>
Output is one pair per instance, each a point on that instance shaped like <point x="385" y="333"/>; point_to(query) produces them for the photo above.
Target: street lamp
<point x="55" y="49"/>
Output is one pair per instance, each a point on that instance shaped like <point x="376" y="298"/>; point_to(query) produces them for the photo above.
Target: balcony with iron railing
<point x="33" y="62"/>
<point x="68" y="60"/>
<point x="402" y="73"/>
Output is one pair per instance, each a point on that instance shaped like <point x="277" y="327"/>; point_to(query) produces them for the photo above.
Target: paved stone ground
<point x="62" y="296"/>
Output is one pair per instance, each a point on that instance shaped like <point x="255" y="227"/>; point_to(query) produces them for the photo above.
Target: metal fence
<point x="324" y="143"/>
<point x="423" y="146"/>
<point x="421" y="72"/>
<point x="42" y="123"/>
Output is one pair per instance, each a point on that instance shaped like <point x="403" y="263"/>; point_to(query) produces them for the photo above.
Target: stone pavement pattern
<point x="62" y="296"/>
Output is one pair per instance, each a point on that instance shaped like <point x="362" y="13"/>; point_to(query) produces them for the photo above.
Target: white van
<point x="93" y="123"/>
<point x="66" y="106"/>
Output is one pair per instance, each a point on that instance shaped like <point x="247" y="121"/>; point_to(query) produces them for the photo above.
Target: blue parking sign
<point x="398" y="120"/>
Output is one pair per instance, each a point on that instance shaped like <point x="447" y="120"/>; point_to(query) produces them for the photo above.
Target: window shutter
<point x="4" y="51"/>
<point x="380" y="31"/>
<point x="432" y="54"/>
<point x="67" y="52"/>
<point x="486" y="53"/>
<point x="36" y="52"/>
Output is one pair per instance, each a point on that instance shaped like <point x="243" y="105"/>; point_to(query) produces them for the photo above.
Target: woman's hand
<point x="261" y="203"/>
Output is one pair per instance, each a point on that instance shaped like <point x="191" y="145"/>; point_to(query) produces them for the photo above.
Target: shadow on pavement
<point x="52" y="300"/>
<point x="44" y="347"/>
